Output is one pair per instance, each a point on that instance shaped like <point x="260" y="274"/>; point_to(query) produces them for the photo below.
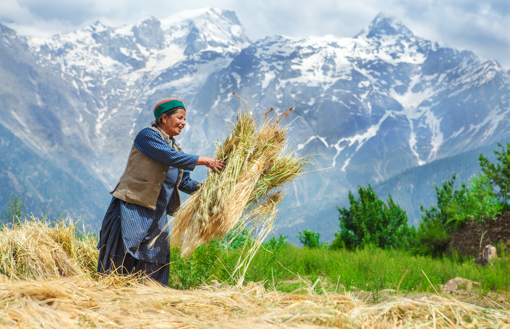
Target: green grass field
<point x="371" y="269"/>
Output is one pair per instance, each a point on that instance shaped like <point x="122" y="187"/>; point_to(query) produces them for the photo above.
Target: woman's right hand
<point x="212" y="163"/>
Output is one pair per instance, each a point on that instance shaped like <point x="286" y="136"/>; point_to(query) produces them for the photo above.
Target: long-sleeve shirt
<point x="140" y="225"/>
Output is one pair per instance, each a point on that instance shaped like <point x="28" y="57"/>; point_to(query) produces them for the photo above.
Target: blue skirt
<point x="113" y="255"/>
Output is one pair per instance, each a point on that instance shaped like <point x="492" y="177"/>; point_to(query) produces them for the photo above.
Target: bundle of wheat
<point x="248" y="190"/>
<point x="42" y="250"/>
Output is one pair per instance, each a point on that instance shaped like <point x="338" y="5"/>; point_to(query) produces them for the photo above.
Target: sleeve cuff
<point x="193" y="162"/>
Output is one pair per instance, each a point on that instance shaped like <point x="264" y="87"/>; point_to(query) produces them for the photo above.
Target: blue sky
<point x="480" y="26"/>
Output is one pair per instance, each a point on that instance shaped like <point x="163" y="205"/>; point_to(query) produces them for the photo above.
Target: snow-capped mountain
<point x="369" y="106"/>
<point x="114" y="74"/>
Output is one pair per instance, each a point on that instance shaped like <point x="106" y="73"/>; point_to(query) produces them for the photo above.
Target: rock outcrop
<point x="468" y="240"/>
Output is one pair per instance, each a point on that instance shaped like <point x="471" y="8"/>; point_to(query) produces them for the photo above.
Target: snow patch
<point x="268" y="77"/>
<point x="360" y="139"/>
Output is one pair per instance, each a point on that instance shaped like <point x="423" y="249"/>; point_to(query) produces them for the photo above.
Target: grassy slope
<point x="375" y="269"/>
<point x="370" y="270"/>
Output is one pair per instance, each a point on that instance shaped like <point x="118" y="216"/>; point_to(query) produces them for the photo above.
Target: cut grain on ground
<point x="83" y="303"/>
<point x="48" y="281"/>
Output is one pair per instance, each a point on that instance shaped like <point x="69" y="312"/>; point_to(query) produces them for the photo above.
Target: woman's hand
<point x="212" y="163"/>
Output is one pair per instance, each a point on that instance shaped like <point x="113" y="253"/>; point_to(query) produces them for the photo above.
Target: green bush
<point x="198" y="269"/>
<point x="499" y="173"/>
<point x="370" y="221"/>
<point x="236" y="239"/>
<point x="437" y="226"/>
<point x="432" y="237"/>
<point x="479" y="203"/>
<point x="273" y="249"/>
<point x="454" y="206"/>
<point x="447" y="195"/>
<point x="310" y="239"/>
<point x="276" y="245"/>
<point x="338" y="243"/>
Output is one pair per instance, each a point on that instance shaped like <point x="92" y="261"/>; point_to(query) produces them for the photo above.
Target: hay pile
<point x="83" y="303"/>
<point x="44" y="250"/>
<point x="248" y="190"/>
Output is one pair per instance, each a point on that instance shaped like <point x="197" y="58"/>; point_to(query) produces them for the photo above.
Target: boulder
<point x="487" y="255"/>
<point x="454" y="286"/>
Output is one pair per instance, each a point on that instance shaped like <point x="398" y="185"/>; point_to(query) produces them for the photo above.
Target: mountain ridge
<point x="372" y="105"/>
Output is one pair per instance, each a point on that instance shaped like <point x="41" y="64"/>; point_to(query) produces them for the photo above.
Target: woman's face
<point x="174" y="124"/>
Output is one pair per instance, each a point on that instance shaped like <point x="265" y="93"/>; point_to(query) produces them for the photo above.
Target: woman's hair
<point x="168" y="113"/>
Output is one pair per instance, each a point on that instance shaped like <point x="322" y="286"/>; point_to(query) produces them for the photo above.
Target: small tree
<point x="276" y="247"/>
<point x="436" y="226"/>
<point x="479" y="203"/>
<point x="310" y="239"/>
<point x="369" y="220"/>
<point x="337" y="243"/>
<point x="499" y="173"/>
<point x="449" y="200"/>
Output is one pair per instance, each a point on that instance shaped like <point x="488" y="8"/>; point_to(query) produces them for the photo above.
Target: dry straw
<point x="248" y="190"/>
<point x="83" y="303"/>
<point x="42" y="250"/>
<point x="59" y="290"/>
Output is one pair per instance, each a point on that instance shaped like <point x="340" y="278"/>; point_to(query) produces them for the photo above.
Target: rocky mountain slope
<point x="46" y="189"/>
<point x="369" y="107"/>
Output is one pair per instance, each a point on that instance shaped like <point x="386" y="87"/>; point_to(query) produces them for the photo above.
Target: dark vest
<point x="143" y="178"/>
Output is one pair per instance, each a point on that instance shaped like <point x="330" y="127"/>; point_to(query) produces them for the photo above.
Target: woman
<point x="133" y="236"/>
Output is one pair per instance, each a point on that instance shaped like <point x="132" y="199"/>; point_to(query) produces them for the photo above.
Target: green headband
<point x="167" y="105"/>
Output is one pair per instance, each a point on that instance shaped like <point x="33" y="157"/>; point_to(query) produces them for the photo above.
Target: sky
<point x="480" y="26"/>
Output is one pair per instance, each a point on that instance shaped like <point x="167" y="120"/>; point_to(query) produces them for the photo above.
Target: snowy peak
<point x="206" y="29"/>
<point x="97" y="27"/>
<point x="148" y="33"/>
<point x="148" y="44"/>
<point x="231" y="15"/>
<point x="384" y="25"/>
<point x="4" y="31"/>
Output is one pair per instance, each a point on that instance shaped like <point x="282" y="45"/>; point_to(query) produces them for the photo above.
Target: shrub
<point x="338" y="243"/>
<point x="310" y="239"/>
<point x="236" y="239"/>
<point x="370" y="221"/>
<point x="449" y="200"/>
<point x="195" y="270"/>
<point x="436" y="226"/>
<point x="479" y="202"/>
<point x="276" y="245"/>
<point x="431" y="238"/>
<point x="498" y="173"/>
